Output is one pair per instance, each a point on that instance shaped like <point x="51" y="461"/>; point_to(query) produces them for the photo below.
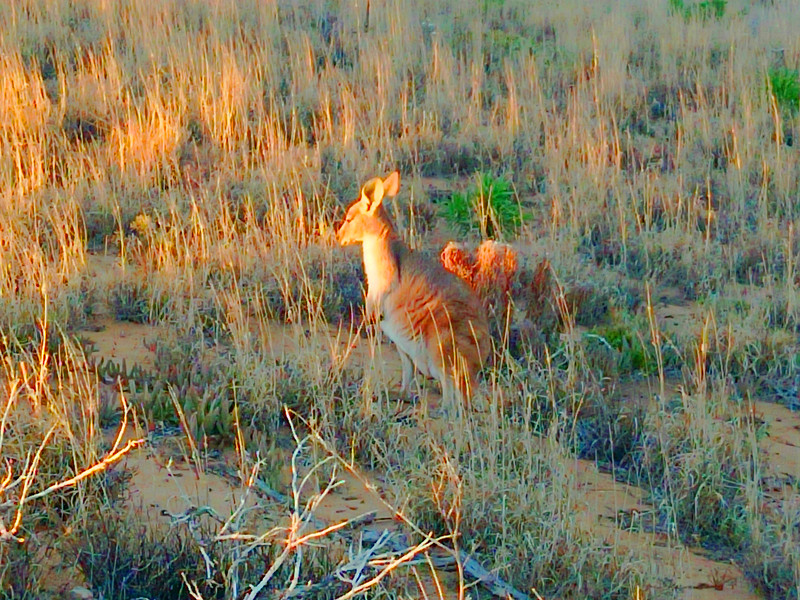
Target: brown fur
<point x="434" y="318"/>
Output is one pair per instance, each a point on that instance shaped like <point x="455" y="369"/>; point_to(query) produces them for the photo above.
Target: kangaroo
<point x="434" y="319"/>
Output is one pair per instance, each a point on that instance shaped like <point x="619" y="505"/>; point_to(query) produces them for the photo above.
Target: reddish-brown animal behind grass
<point x="491" y="271"/>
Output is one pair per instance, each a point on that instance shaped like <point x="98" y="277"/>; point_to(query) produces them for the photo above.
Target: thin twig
<point x="495" y="584"/>
<point x="30" y="471"/>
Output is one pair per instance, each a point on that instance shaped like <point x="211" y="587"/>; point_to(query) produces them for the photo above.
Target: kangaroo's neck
<point x="381" y="266"/>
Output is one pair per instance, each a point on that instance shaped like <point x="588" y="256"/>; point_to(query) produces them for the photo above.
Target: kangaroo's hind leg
<point x="408" y="371"/>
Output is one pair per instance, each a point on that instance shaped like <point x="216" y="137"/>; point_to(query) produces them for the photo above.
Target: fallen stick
<point x="493" y="583"/>
<point x="489" y="580"/>
<point x="486" y="578"/>
<point x="267" y="491"/>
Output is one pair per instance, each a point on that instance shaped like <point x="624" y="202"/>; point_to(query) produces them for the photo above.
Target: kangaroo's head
<point x="366" y="216"/>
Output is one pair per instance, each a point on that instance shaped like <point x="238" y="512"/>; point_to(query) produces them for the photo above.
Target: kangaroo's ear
<point x="391" y="184"/>
<point x="373" y="192"/>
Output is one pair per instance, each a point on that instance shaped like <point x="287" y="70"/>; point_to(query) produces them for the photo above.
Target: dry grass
<point x="210" y="145"/>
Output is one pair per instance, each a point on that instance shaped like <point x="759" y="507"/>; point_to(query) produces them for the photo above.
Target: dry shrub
<point x="539" y="290"/>
<point x="518" y="295"/>
<point x="459" y="261"/>
<point x="490" y="271"/>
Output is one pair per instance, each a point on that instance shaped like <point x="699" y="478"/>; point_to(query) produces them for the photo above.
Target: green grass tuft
<point x="784" y="84"/>
<point x="489" y="207"/>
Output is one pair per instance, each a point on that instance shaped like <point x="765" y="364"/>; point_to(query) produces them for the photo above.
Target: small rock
<point x="81" y="593"/>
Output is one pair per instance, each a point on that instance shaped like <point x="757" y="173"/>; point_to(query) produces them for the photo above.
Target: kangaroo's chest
<point x="381" y="271"/>
<point x="377" y="283"/>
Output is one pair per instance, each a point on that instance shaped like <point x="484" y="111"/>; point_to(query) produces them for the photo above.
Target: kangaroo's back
<point x="432" y="316"/>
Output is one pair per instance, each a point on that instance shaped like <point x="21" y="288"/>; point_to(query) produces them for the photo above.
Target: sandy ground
<point x="163" y="483"/>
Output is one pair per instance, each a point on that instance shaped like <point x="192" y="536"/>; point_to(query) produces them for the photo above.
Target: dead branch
<point x="28" y="475"/>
